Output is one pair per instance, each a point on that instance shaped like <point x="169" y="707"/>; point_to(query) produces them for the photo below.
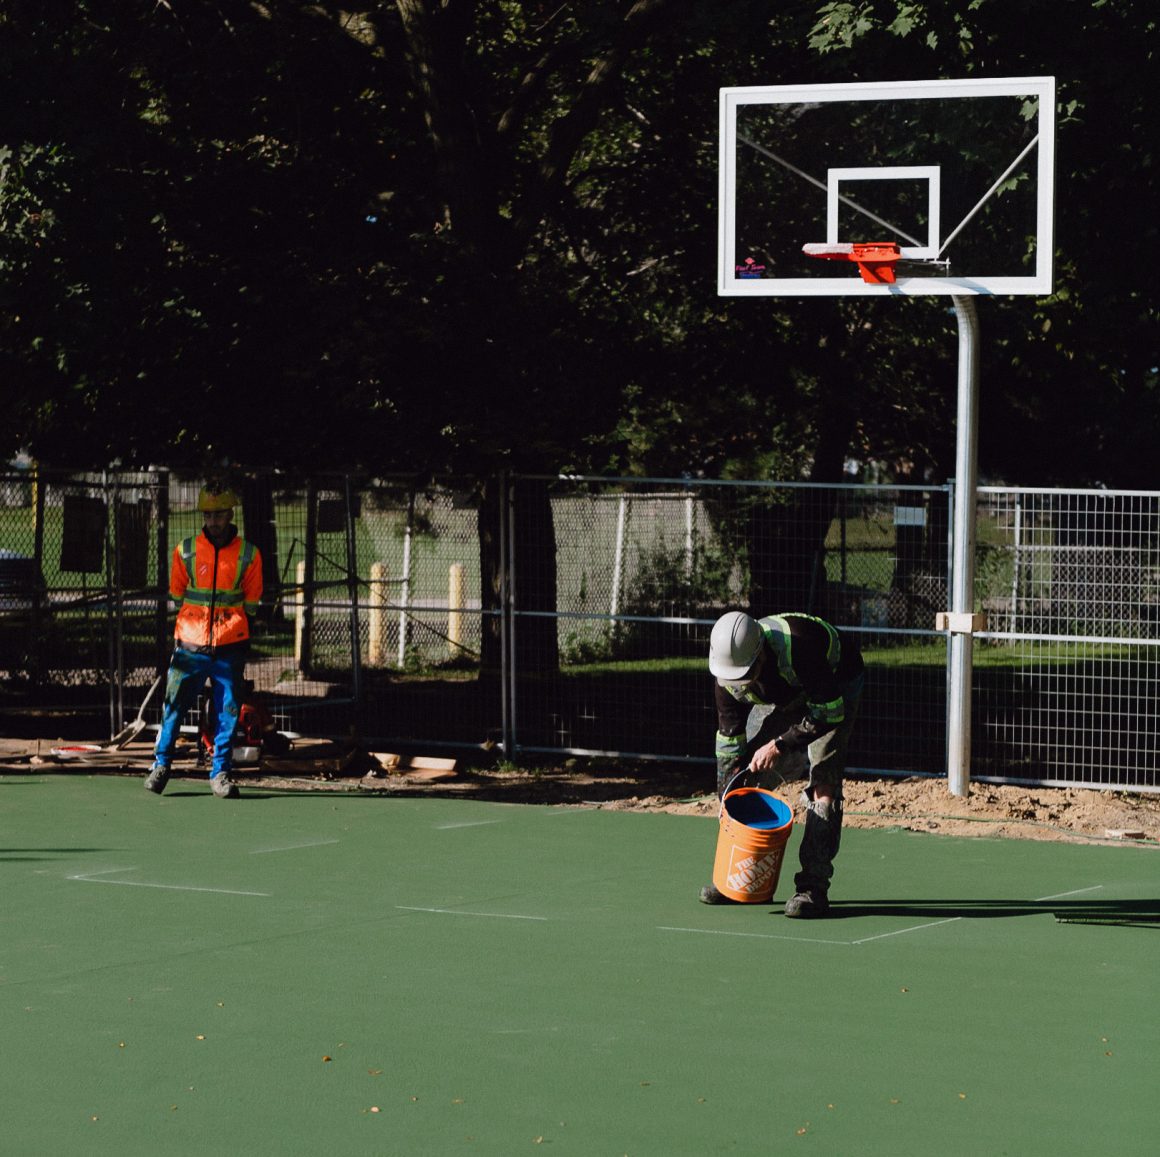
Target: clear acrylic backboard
<point x="958" y="175"/>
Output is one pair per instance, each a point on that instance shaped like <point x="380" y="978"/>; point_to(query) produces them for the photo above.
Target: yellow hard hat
<point x="216" y="496"/>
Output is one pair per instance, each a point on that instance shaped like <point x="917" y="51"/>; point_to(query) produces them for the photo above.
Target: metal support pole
<point x="963" y="574"/>
<point x="405" y="591"/>
<point x="507" y="676"/>
<point x="353" y="595"/>
<point x="511" y="595"/>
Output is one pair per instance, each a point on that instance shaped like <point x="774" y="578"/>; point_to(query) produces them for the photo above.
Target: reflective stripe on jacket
<point x="218" y="588"/>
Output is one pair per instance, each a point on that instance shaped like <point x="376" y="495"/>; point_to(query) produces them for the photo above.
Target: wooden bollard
<point x="455" y="610"/>
<point x="377" y="627"/>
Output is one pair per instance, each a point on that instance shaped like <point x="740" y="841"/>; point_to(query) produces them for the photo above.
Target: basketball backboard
<point x="958" y="175"/>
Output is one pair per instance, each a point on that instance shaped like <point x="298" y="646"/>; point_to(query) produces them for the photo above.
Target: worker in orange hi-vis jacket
<point x="216" y="581"/>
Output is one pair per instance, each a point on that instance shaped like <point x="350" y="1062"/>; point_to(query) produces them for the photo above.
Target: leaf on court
<point x="962" y="1096"/>
<point x="201" y="1036"/>
<point x="896" y="1100"/>
<point x="904" y="989"/>
<point x="325" y="1060"/>
<point x="802" y="1131"/>
<point x="375" y="1072"/>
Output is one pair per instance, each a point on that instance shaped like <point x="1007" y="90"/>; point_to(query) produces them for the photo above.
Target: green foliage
<point x="462" y="236"/>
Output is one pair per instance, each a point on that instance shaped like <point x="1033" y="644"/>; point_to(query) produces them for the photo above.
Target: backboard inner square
<point x="835" y="198"/>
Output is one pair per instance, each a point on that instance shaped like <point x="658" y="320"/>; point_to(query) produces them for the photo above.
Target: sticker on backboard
<point x="924" y="187"/>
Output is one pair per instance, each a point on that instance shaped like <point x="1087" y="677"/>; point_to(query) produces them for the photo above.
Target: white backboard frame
<point x="847" y="281"/>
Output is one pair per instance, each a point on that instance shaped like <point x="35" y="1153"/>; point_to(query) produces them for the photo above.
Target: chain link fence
<point x="570" y="616"/>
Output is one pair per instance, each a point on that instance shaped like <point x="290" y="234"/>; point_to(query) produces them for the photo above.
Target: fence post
<point x="352" y="592"/>
<point x="507" y="616"/>
<point x="454" y="610"/>
<point x="164" y="637"/>
<point x="300" y="631"/>
<point x="405" y="600"/>
<point x="618" y="559"/>
<point x="304" y="632"/>
<point x="112" y="600"/>
<point x="377" y="618"/>
<point x="36" y="647"/>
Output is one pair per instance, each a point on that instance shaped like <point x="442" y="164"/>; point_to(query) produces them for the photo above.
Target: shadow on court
<point x="1144" y="913"/>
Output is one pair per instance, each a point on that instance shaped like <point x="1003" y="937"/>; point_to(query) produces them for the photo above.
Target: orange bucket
<point x="755" y="827"/>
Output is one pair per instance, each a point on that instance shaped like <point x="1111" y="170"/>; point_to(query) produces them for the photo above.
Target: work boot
<point x="710" y="895"/>
<point x="808" y="904"/>
<point x="223" y="786"/>
<point x="157" y="778"/>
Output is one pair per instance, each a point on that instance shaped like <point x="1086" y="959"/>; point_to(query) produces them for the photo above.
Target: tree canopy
<point x="447" y="235"/>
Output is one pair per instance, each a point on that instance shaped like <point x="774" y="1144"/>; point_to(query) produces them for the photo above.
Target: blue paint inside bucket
<point x="757" y="809"/>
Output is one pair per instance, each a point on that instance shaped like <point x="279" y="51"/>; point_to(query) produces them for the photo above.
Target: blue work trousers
<point x="188" y="672"/>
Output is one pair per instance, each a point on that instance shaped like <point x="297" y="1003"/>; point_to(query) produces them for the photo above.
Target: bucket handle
<point x="721" y="805"/>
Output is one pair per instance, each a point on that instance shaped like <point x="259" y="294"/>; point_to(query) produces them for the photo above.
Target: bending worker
<point x="811" y="675"/>
<point x="216" y="581"/>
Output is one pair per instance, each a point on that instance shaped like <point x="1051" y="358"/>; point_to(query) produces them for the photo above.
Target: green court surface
<point x="343" y="974"/>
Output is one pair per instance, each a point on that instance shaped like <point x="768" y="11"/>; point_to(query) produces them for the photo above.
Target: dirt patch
<point x="918" y="804"/>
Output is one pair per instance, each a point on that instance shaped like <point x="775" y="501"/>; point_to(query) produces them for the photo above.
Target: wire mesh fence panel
<point x="80" y="603"/>
<point x="572" y="615"/>
<point x="426" y="622"/>
<point x="642" y="573"/>
<point x="1065" y="682"/>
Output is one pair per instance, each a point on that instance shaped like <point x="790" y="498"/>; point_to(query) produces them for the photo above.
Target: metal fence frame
<point x="585" y="634"/>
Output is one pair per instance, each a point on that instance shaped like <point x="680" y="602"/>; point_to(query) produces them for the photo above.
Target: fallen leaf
<point x="325" y="1060"/>
<point x="374" y="1108"/>
<point x="201" y="1036"/>
<point x="375" y="1072"/>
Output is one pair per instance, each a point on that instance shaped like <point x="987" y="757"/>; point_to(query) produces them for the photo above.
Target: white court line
<point x="1060" y="895"/>
<point x="457" y="912"/>
<point x="903" y="931"/>
<point x="293" y="847"/>
<point x="467" y="824"/>
<point x="752" y="935"/>
<point x="90" y="878"/>
<point x="880" y="935"/>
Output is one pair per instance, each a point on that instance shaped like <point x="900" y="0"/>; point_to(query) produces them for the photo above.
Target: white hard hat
<point x="734" y="645"/>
